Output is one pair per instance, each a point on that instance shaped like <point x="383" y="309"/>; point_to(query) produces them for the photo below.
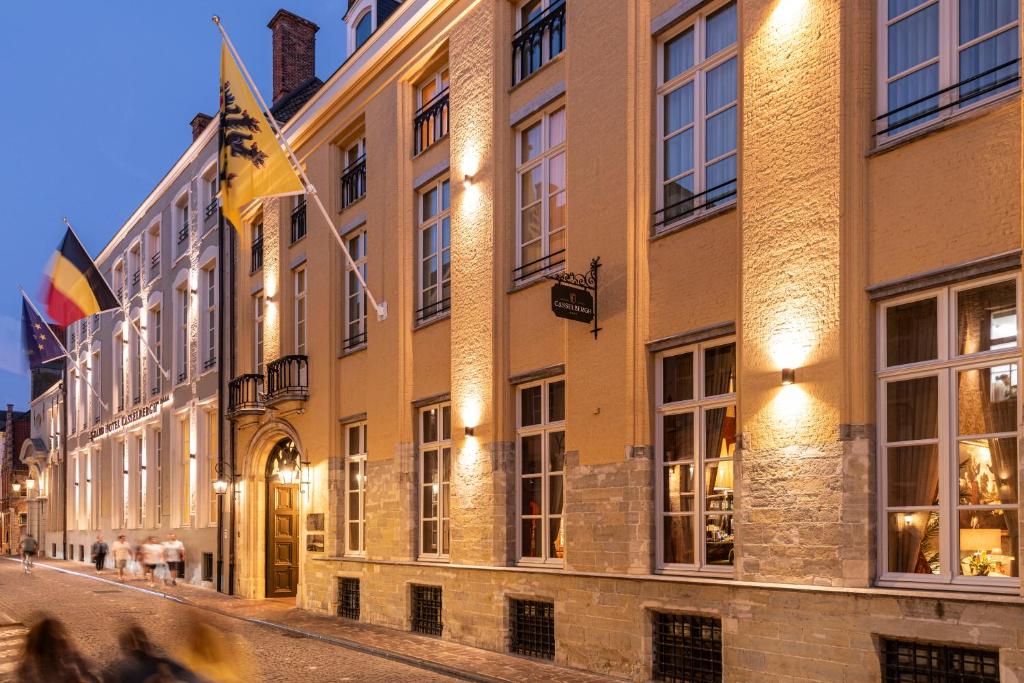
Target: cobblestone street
<point x="95" y="611"/>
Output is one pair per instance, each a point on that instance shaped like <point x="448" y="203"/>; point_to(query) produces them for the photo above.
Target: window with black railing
<point x="553" y="261"/>
<point x="687" y="648"/>
<point x="348" y="598"/>
<point x="154" y="265"/>
<point x="354" y="341"/>
<point x="211" y="208"/>
<point x="353" y="182"/>
<point x="135" y="280"/>
<point x="288" y="376"/>
<point x="256" y="260"/>
<point x="426" y="610"/>
<point x="299" y="221"/>
<point x="693" y="205"/>
<point x="910" y="661"/>
<point x="245" y="392"/>
<point x="532" y="628"/>
<point x="182" y="234"/>
<point x="540" y="38"/>
<point x="431" y="122"/>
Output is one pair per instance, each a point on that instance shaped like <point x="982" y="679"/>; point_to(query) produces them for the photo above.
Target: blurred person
<point x="122" y="556"/>
<point x="99" y="553"/>
<point x="29" y="546"/>
<point x="51" y="656"/>
<point x="216" y="655"/>
<point x="174" y="554"/>
<point x="151" y="554"/>
<point x="140" y="662"/>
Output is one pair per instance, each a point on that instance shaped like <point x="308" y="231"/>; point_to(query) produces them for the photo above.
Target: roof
<point x="289" y="105"/>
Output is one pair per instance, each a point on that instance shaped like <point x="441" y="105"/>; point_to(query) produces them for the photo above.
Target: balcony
<point x="553" y="261"/>
<point x="245" y="396"/>
<point x="288" y="379"/>
<point x="256" y="261"/>
<point x="353" y="182"/>
<point x="299" y="222"/>
<point x="537" y="43"/>
<point x="431" y="122"/>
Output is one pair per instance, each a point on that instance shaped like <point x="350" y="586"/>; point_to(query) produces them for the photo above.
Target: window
<point x="299" y="218"/>
<point x="158" y="457"/>
<point x="697" y="114"/>
<point x="948" y="407"/>
<point x="541" y="195"/>
<point x="353" y="178"/>
<point x="909" y="661"/>
<point x="188" y="474"/>
<point x="363" y="30"/>
<point x="135" y="266"/>
<point x="939" y="56"/>
<point x="431" y="121"/>
<point x="154" y="251"/>
<point x="156" y="334"/>
<point x="355" y="295"/>
<point x="540" y="463"/>
<point x="73" y="399"/>
<point x="183" y="346"/>
<point x="426" y="610"/>
<point x="119" y="375"/>
<point x="435" y="464"/>
<point x="300" y="310"/>
<point x="355" y="489"/>
<point x="210" y="317"/>
<point x="125" y="484"/>
<point x="140" y="496"/>
<point x="687" y="648"/>
<point x="435" y="244"/>
<point x="212" y="456"/>
<point x="181" y="221"/>
<point x="135" y="355"/>
<point x="348" y="598"/>
<point x="256" y="260"/>
<point x="532" y="628"/>
<point x="540" y="36"/>
<point x="94" y="371"/>
<point x="210" y="185"/>
<point x="258" y="333"/>
<point x="695" y="439"/>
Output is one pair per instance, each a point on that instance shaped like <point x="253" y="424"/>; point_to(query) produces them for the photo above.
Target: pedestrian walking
<point x="29" y="546"/>
<point x="216" y="655"/>
<point x="122" y="556"/>
<point x="174" y="554"/>
<point x="141" y="664"/>
<point x="99" y="553"/>
<point x="50" y="655"/>
<point x="151" y="555"/>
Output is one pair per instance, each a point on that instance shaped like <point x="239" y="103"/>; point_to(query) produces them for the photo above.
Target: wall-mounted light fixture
<point x="788" y="376"/>
<point x="467" y="181"/>
<point x="16" y="486"/>
<point x="30" y="484"/>
<point x="470" y="431"/>
<point x="225" y="478"/>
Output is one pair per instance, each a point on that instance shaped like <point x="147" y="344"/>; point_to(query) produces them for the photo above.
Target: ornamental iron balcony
<point x="245" y="396"/>
<point x="540" y="41"/>
<point x="686" y="208"/>
<point x="256" y="261"/>
<point x="299" y="222"/>
<point x="211" y="208"/>
<point x="353" y="182"/>
<point x="554" y="260"/>
<point x="288" y="379"/>
<point x="433" y="310"/>
<point x="431" y="122"/>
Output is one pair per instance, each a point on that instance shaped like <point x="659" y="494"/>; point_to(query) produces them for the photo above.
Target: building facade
<point x="44" y="457"/>
<point x="14" y="429"/>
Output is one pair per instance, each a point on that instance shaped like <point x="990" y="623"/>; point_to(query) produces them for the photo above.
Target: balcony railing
<point x="245" y="395"/>
<point x="183" y="233"/>
<point x="299" y="222"/>
<point x="209" y="363"/>
<point x="256" y="261"/>
<point x="970" y="89"/>
<point x="211" y="208"/>
<point x="538" y="42"/>
<point x="353" y="182"/>
<point x="431" y="310"/>
<point x="154" y="265"/>
<point x="288" y="378"/>
<point x="136" y="276"/>
<point x="685" y="208"/>
<point x="355" y="341"/>
<point x="526" y="271"/>
<point x="431" y="122"/>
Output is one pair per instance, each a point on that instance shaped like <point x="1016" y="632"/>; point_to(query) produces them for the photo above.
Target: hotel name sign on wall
<point x="574" y="296"/>
<point x="125" y="421"/>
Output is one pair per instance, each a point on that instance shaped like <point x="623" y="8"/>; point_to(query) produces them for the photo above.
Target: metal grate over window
<point x="909" y="662"/>
<point x="532" y="628"/>
<point x="348" y="598"/>
<point x="687" y="648"/>
<point x="426" y="610"/>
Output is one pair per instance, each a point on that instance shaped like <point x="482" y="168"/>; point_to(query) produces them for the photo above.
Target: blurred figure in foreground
<point x="216" y="655"/>
<point x="50" y="656"/>
<point x="140" y="662"/>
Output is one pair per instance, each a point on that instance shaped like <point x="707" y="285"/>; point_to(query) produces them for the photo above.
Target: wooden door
<point x="282" y="539"/>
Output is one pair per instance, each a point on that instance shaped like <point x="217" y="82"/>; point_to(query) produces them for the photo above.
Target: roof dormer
<point x="364" y="16"/>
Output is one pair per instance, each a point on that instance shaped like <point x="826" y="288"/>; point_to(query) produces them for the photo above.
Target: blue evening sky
<point x="96" y="100"/>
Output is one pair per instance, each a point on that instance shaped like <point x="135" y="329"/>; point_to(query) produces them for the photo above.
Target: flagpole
<point x="78" y="365"/>
<point x="381" y="307"/>
<point x="124" y="310"/>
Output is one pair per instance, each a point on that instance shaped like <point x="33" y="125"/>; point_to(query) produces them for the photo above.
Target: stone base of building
<point x="769" y="632"/>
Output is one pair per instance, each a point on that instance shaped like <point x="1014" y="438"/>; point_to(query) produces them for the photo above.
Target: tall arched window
<point x="364" y="27"/>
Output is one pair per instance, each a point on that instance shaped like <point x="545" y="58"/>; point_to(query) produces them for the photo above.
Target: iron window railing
<point x="155" y="389"/>
<point x="288" y="375"/>
<point x="526" y="271"/>
<point x="135" y="279"/>
<point x="209" y="363"/>
<point x="154" y="265"/>
<point x="355" y="341"/>
<point x="256" y="262"/>
<point x="435" y="309"/>
<point x="353" y="182"/>
<point x="910" y="661"/>
<point x="970" y="89"/>
<point x="183" y="233"/>
<point x="182" y="376"/>
<point x="245" y="392"/>
<point x="430" y="123"/>
<point x="687" y="648"/>
<point x="538" y="42"/>
<point x="532" y="628"/>
<point x="348" y="598"/>
<point x="211" y="208"/>
<point x="426" y="610"/>
<point x="686" y="208"/>
<point x="299" y="222"/>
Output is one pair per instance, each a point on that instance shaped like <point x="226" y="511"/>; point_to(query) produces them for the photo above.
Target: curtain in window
<point x="913" y="40"/>
<point x="1000" y="414"/>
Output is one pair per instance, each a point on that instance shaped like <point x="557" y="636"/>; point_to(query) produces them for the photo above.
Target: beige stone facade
<point x="783" y="534"/>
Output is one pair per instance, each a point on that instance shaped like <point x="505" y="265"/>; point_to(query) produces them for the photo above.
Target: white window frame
<point x="120" y="400"/>
<point x="210" y="317"/>
<point x="543" y="429"/>
<point x="155" y="332"/>
<point x="698" y="406"/>
<point x="300" y="280"/>
<point x="437" y="221"/>
<point x="359" y="11"/>
<point x="140" y="494"/>
<point x="94" y="371"/>
<point x="156" y="435"/>
<point x="135" y="354"/>
<point x="948" y="60"/>
<point x="125" y="466"/>
<point x="181" y="220"/>
<point x="357" y="517"/>
<point x="356" y="290"/>
<point x="259" y="311"/>
<point x="948" y="363"/>
<point x="543" y="158"/>
<point x="697" y="74"/>
<point x="182" y="333"/>
<point x="441" y="487"/>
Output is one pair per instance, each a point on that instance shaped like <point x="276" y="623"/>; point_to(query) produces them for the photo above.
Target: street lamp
<point x="225" y="477"/>
<point x="30" y="484"/>
<point x="16" y="486"/>
<point x="286" y="474"/>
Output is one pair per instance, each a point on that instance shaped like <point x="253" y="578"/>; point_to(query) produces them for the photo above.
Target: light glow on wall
<point x="791" y="342"/>
<point x="786" y="19"/>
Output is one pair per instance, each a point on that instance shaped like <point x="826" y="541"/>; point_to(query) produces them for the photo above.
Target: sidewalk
<point x="433" y="654"/>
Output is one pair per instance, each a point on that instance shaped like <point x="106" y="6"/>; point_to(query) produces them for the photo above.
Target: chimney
<point x="294" y="52"/>
<point x="199" y="123"/>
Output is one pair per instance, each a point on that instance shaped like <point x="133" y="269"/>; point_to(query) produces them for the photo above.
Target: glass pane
<point x="721" y="137"/>
<point x="987" y="318"/>
<point x="531" y="501"/>
<point x="429" y="206"/>
<point x="446" y="200"/>
<point x="556" y="451"/>
<point x="720" y="370"/>
<point x="677" y="378"/>
<point x="556" y="128"/>
<point x="720" y="432"/>
<point x="556" y="215"/>
<point x="531" y="226"/>
<point x="911" y="332"/>
<point x="429" y="537"/>
<point x="531" y="453"/>
<point x="678" y="487"/>
<point x="430" y="502"/>
<point x="679" y="154"/>
<point x="353" y="505"/>
<point x="721" y="176"/>
<point x="721" y="29"/>
<point x="530" y="142"/>
<point x="555" y="495"/>
<point x="556" y="173"/>
<point x="913" y="476"/>
<point x="912" y="409"/>
<point x="678" y="436"/>
<point x="530" y="406"/>
<point x="556" y="401"/>
<point x="446" y="423"/>
<point x="430" y="470"/>
<point x="914" y="40"/>
<point x="532" y="543"/>
<point x="677" y="198"/>
<point x="988" y="541"/>
<point x="429" y="425"/>
<point x="529" y="253"/>
<point x="678" y="540"/>
<point x="678" y="108"/>
<point x="718" y="480"/>
<point x="557" y="536"/>
<point x="679" y="54"/>
<point x="988" y="54"/>
<point x="988" y="471"/>
<point x="353" y="476"/>
<point x="914" y="542"/>
<point x="353" y="536"/>
<point x="719" y="539"/>
<point x="911" y="88"/>
<point x="898" y="7"/>
<point x="987" y="400"/>
<point x="978" y="17"/>
<point x="532" y="186"/>
<point x="721" y="86"/>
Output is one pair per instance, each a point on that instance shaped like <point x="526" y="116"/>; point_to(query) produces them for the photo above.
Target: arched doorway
<point x="283" y="520"/>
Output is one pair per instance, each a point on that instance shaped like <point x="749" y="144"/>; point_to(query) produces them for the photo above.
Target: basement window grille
<point x="207" y="566"/>
<point x="348" y="598"/>
<point x="81" y="553"/>
<point x="426" y="610"/>
<point x="532" y="628"/>
<point x="910" y="661"/>
<point x="687" y="648"/>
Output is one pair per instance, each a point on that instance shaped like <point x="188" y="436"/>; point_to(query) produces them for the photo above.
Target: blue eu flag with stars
<point x="38" y="339"/>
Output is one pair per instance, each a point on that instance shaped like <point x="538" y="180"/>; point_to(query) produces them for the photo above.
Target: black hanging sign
<point x="574" y="296"/>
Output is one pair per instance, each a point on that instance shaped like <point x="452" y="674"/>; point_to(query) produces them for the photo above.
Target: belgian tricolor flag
<point x="74" y="287"/>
